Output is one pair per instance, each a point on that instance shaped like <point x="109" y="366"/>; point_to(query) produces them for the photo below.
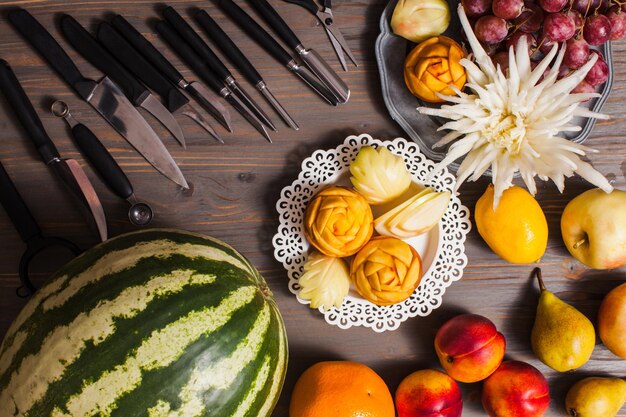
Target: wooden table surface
<point x="236" y="186"/>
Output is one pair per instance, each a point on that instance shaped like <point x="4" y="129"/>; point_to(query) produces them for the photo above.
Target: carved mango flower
<point x="386" y="271"/>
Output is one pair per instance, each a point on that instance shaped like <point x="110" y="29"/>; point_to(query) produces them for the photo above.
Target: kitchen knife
<point x="309" y="56"/>
<point x="228" y="48"/>
<point x="68" y="170"/>
<point x="105" y="96"/>
<point x="197" y="90"/>
<point x="126" y="54"/>
<point x="256" y="32"/>
<point x="215" y="64"/>
<point x="200" y="68"/>
<point x="138" y="94"/>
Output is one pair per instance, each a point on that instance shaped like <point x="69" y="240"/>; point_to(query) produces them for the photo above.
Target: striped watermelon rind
<point x="157" y="322"/>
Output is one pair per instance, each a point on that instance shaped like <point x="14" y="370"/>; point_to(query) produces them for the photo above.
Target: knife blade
<point x="137" y="93"/>
<point x="105" y="97"/>
<point x="200" y="68"/>
<point x="68" y="170"/>
<point x="228" y="48"/>
<point x="260" y="35"/>
<point x="197" y="90"/>
<point x="310" y="57"/>
<point x="126" y="54"/>
<point x="215" y="64"/>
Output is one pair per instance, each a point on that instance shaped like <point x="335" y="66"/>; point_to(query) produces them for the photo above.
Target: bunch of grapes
<point x="579" y="25"/>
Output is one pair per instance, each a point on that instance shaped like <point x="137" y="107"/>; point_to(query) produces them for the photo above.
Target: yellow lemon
<point x="517" y="231"/>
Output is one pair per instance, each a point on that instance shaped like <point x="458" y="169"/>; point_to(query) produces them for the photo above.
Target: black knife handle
<point x="146" y="48"/>
<point x="51" y="51"/>
<point x="95" y="53"/>
<point x="273" y="19"/>
<point x="16" y="208"/>
<point x="125" y="53"/>
<point x="104" y="164"/>
<point x="23" y="109"/>
<point x="307" y="4"/>
<point x="228" y="47"/>
<point x="189" y="56"/>
<point x="192" y="38"/>
<point x="255" y="31"/>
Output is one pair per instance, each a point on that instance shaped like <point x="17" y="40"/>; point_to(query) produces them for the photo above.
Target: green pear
<point x="596" y="397"/>
<point x="562" y="337"/>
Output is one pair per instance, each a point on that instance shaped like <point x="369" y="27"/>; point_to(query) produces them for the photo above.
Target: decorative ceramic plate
<point x="391" y="51"/>
<point x="442" y="249"/>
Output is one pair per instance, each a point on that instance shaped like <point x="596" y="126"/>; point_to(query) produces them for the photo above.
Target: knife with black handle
<point x="228" y="48"/>
<point x="136" y="92"/>
<point x="207" y="55"/>
<point x="181" y="47"/>
<point x="310" y="57"/>
<point x="195" y="89"/>
<point x="256" y="32"/>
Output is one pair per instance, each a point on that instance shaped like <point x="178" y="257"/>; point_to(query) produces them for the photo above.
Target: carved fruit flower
<point x="338" y="221"/>
<point x="432" y="67"/>
<point x="386" y="271"/>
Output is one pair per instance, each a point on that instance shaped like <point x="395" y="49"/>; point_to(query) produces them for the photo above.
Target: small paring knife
<point x="126" y="54"/>
<point x="207" y="99"/>
<point x="136" y="92"/>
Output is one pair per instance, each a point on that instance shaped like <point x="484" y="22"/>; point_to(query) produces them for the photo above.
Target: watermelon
<point x="154" y="323"/>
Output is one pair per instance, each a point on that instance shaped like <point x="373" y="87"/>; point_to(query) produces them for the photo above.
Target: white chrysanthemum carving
<point x="510" y="123"/>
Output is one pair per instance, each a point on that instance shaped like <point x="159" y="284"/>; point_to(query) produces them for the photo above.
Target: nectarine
<point x="428" y="393"/>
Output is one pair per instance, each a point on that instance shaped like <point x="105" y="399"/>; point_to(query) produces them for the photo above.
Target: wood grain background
<point x="236" y="186"/>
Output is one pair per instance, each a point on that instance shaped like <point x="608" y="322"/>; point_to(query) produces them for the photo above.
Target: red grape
<point x="531" y="18"/>
<point x="577" y="18"/>
<point x="584" y="87"/>
<point x="599" y="73"/>
<point x="564" y="71"/>
<point x="491" y="29"/>
<point x="585" y="7"/>
<point x="502" y="59"/>
<point x="507" y="9"/>
<point x="515" y="37"/>
<point x="552" y="6"/>
<point x="617" y="17"/>
<point x="597" y="29"/>
<point x="558" y="27"/>
<point x="577" y="53"/>
<point x="476" y="8"/>
<point x="545" y="45"/>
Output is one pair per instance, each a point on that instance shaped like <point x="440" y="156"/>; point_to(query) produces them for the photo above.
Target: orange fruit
<point x="341" y="389"/>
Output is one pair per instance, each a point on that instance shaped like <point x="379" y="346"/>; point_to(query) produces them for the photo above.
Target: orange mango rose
<point x="386" y="271"/>
<point x="432" y="66"/>
<point x="338" y="221"/>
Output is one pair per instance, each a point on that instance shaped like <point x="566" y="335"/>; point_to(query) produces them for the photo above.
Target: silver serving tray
<point x="391" y="51"/>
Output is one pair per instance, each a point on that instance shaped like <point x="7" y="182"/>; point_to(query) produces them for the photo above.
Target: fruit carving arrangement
<point x="340" y="226"/>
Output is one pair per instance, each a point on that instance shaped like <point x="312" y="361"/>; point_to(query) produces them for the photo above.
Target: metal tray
<point x="391" y="51"/>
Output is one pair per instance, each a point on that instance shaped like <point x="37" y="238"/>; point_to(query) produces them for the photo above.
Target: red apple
<point x="516" y="389"/>
<point x="469" y="347"/>
<point x="428" y="393"/>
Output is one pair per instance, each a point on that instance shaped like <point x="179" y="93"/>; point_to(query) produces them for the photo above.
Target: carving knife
<point x="310" y="57"/>
<point x="228" y="48"/>
<point x="196" y="89"/>
<point x="266" y="40"/>
<point x="126" y="54"/>
<point x="199" y="67"/>
<point x="215" y="64"/>
<point x="105" y="96"/>
<point x="136" y="92"/>
<point x="68" y="170"/>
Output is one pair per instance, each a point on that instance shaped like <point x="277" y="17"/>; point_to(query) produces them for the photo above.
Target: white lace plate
<point x="442" y="249"/>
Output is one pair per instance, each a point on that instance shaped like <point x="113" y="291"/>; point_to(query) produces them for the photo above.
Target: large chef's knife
<point x="310" y="57"/>
<point x="68" y="170"/>
<point x="266" y="40"/>
<point x="197" y="90"/>
<point x="105" y="96"/>
<point x="137" y="93"/>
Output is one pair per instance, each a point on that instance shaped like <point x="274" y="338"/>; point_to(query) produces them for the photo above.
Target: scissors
<point x="28" y="230"/>
<point x="325" y="16"/>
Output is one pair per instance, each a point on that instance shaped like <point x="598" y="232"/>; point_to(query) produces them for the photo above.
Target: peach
<point x="516" y="389"/>
<point x="428" y="393"/>
<point x="469" y="347"/>
<point x="612" y="321"/>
